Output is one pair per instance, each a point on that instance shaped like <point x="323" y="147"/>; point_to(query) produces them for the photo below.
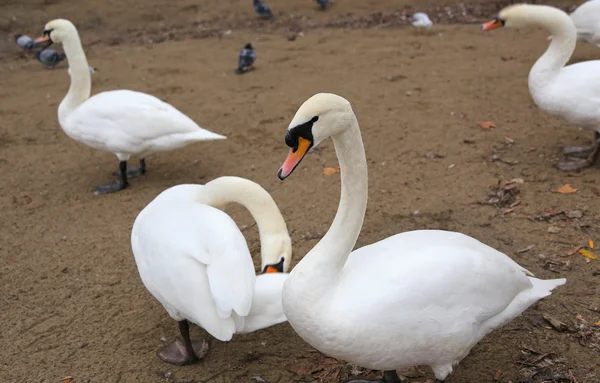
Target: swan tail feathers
<point x="543" y="287"/>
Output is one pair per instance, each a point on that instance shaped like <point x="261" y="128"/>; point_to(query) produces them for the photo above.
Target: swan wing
<point x="195" y="261"/>
<point x="131" y="122"/>
<point x="435" y="274"/>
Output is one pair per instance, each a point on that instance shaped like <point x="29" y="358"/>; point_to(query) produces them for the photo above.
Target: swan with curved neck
<point x="569" y="91"/>
<point x="422" y="297"/>
<point x="122" y="122"/>
<point x="194" y="260"/>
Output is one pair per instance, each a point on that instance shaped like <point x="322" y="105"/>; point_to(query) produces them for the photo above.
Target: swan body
<point x="587" y="21"/>
<point x="122" y="122"/>
<point x="194" y="260"/>
<point x="569" y="91"/>
<point x="422" y="297"/>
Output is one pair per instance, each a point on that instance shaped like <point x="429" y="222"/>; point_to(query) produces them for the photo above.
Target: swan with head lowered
<point x="422" y="297"/>
<point x="122" y="122"/>
<point x="194" y="260"/>
<point x="572" y="91"/>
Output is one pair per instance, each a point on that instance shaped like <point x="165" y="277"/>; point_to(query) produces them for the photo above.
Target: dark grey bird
<point x="262" y="9"/>
<point x="49" y="57"/>
<point x="246" y="59"/>
<point x="24" y="42"/>
<point x="323" y="3"/>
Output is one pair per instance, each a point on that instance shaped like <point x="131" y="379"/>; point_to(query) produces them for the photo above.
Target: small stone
<point x="163" y="339"/>
<point x="575" y="214"/>
<point x="168" y="374"/>
<point x="554" y="229"/>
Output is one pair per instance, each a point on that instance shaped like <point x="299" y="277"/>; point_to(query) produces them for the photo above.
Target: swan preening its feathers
<point x="122" y="122"/>
<point x="572" y="91"/>
<point x="422" y="297"/>
<point x="194" y="260"/>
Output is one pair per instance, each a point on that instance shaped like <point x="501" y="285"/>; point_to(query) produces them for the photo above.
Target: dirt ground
<point x="73" y="303"/>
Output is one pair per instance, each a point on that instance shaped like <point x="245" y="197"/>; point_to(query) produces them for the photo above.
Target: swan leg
<point x="133" y="172"/>
<point x="120" y="184"/>
<point x="388" y="377"/>
<point x="586" y="163"/>
<point x="183" y="352"/>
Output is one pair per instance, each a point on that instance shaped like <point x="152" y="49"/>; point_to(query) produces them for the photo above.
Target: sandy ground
<point x="72" y="301"/>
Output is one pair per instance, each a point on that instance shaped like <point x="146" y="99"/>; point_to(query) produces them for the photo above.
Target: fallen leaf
<point x="525" y="249"/>
<point x="558" y="325"/>
<point x="590" y="244"/>
<point x="579" y="317"/>
<point x="597" y="323"/>
<point x="573" y="251"/>
<point x="486" y="124"/>
<point x="588" y="254"/>
<point x="330" y="171"/>
<point x="498" y="374"/>
<point x="566" y="189"/>
<point x="508" y="140"/>
<point x="67" y="379"/>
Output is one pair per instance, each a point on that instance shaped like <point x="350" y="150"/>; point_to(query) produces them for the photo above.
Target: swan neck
<point x="222" y="191"/>
<point x="327" y="258"/>
<point x="564" y="39"/>
<point x="81" y="82"/>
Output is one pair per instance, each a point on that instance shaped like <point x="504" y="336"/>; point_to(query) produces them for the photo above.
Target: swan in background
<point x="122" y="122"/>
<point x="587" y="22"/>
<point x="571" y="92"/>
<point x="421" y="20"/>
<point x="194" y="260"/>
<point x="422" y="297"/>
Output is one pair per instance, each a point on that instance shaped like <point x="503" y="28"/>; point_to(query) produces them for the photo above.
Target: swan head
<point x="56" y="31"/>
<point x="276" y="253"/>
<point x="320" y="117"/>
<point x="525" y="15"/>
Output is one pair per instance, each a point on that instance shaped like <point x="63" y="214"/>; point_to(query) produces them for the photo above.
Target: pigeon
<point x="421" y="20"/>
<point x="323" y="3"/>
<point x="247" y="58"/>
<point x="262" y="9"/>
<point x="49" y="57"/>
<point x="24" y="42"/>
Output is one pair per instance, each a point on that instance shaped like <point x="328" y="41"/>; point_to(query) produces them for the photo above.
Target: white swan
<point x="122" y="122"/>
<point x="587" y="21"/>
<point x="194" y="260"/>
<point x="571" y="92"/>
<point x="422" y="297"/>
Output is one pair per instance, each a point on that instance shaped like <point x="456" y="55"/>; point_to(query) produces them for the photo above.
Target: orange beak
<point x="294" y="158"/>
<point x="271" y="269"/>
<point x="42" y="39"/>
<point x="493" y="24"/>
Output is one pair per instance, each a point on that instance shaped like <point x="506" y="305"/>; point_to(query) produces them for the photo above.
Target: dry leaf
<point x="590" y="244"/>
<point x="566" y="189"/>
<point x="330" y="171"/>
<point x="498" y="374"/>
<point x="573" y="251"/>
<point x="67" y="379"/>
<point x="486" y="124"/>
<point x="588" y="254"/>
<point x="597" y="323"/>
<point x="525" y="249"/>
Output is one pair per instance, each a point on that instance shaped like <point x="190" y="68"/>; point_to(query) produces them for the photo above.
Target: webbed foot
<point x="178" y="354"/>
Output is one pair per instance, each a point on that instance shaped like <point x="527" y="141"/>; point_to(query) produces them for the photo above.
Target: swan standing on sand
<point x="123" y="122"/>
<point x="571" y="92"/>
<point x="422" y="297"/>
<point x="194" y="260"/>
<point x="587" y="22"/>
